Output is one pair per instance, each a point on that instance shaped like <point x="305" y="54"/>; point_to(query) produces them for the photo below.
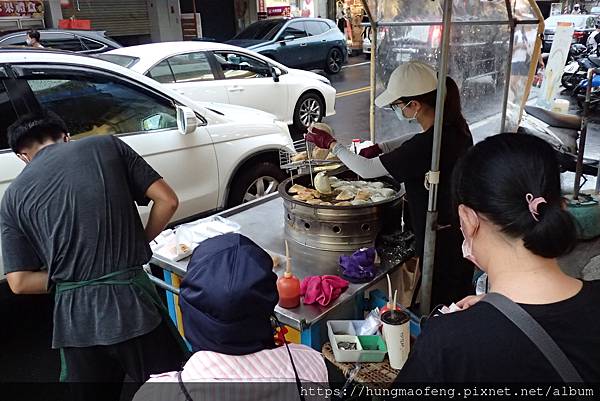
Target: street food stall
<point x="266" y="222"/>
<point x="313" y="229"/>
<point x="481" y="43"/>
<point x="490" y="48"/>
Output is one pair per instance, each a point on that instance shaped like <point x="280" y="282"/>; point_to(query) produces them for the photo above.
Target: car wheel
<point x="333" y="64"/>
<point x="259" y="180"/>
<point x="309" y="109"/>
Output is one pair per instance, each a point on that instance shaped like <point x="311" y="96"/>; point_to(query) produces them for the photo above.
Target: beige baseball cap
<point x="409" y="79"/>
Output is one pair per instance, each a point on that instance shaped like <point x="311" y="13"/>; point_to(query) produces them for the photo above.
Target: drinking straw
<point x="288" y="263"/>
<point x="389" y="304"/>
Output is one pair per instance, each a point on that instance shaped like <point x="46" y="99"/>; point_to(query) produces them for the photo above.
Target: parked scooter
<point x="580" y="90"/>
<point x="580" y="60"/>
<point x="559" y="130"/>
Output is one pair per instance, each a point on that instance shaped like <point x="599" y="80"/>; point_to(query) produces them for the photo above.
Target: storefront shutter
<point x="116" y="17"/>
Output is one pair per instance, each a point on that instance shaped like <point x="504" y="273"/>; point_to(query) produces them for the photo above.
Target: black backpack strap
<point x="537" y="335"/>
<point x="183" y="389"/>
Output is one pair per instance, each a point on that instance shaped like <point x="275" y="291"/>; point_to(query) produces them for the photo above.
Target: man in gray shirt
<point x="69" y="224"/>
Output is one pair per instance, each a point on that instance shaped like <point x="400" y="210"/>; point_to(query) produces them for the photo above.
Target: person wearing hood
<point x="227" y="301"/>
<point x="411" y="93"/>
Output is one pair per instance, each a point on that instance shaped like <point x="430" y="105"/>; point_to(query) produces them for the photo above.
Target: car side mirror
<point x="275" y="73"/>
<point x="187" y="122"/>
<point x="287" y="38"/>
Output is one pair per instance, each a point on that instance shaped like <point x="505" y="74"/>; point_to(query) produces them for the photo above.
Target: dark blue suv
<point x="297" y="42"/>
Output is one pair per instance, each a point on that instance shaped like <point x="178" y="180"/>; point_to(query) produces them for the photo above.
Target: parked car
<point x="207" y="71"/>
<point x="213" y="155"/>
<point x="85" y="42"/>
<point x="297" y="42"/>
<point x="584" y="25"/>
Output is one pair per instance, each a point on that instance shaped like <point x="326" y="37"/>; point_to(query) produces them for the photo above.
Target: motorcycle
<point x="579" y="92"/>
<point x="562" y="132"/>
<point x="580" y="60"/>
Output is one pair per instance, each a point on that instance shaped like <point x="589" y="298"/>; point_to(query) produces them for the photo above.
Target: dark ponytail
<point x="494" y="179"/>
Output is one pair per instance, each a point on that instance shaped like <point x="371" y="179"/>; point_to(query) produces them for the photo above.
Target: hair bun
<point x="554" y="234"/>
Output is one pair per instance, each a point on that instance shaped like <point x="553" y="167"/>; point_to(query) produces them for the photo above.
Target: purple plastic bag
<point x="360" y="267"/>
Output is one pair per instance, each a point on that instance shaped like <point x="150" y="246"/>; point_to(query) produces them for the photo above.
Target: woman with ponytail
<point x="515" y="226"/>
<point x="411" y="93"/>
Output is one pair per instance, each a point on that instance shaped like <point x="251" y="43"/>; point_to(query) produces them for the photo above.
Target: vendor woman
<point x="411" y="93"/>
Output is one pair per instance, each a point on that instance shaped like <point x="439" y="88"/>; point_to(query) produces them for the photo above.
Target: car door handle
<point x="303" y="44"/>
<point x="235" y="89"/>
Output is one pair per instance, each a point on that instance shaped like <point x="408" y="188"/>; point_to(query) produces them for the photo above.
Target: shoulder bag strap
<point x="298" y="382"/>
<point x="537" y="335"/>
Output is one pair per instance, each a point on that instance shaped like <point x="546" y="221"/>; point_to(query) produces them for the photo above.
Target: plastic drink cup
<point x="396" y="332"/>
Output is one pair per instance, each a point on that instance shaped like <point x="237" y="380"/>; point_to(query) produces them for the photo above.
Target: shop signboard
<point x="21" y="8"/>
<point x="280" y="11"/>
<point x="556" y="64"/>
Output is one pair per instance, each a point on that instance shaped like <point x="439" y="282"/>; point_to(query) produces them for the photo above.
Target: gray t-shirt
<point x="72" y="210"/>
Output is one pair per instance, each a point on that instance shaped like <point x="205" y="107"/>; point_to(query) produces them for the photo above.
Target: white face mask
<point x="29" y="41"/>
<point x="400" y="113"/>
<point x="467" y="249"/>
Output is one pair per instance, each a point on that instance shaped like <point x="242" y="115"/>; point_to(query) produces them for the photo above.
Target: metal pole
<point x="458" y="23"/>
<point x="508" y="72"/>
<point x="432" y="214"/>
<point x="597" y="192"/>
<point x="582" y="138"/>
<point x="372" y="73"/>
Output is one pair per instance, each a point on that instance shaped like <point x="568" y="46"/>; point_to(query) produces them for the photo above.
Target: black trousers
<point x="98" y="372"/>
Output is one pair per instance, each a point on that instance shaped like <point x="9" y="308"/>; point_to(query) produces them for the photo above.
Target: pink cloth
<point x="322" y="289"/>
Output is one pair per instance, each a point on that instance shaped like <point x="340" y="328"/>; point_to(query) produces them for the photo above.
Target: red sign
<point x="261" y="6"/>
<point x="21" y="8"/>
<point x="284" y="11"/>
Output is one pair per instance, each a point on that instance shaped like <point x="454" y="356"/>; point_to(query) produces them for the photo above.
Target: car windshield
<point x="578" y="21"/>
<point x="123" y="61"/>
<point x="261" y="30"/>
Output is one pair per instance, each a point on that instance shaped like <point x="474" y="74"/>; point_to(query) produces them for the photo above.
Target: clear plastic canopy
<point x="493" y="55"/>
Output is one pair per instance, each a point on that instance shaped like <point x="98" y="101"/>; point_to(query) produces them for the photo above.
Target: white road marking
<point x="356" y="65"/>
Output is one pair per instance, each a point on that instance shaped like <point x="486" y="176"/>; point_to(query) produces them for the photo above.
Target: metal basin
<point x="334" y="228"/>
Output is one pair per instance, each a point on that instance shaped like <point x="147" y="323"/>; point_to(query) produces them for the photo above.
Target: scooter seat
<point x="595" y="60"/>
<point x="558" y="120"/>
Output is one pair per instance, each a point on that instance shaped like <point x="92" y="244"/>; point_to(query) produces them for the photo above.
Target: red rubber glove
<point x="371" y="152"/>
<point x="321" y="138"/>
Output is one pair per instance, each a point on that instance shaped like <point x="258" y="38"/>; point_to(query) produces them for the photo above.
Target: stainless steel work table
<point x="263" y="222"/>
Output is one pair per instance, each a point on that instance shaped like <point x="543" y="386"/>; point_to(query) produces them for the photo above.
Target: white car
<point x="206" y="71"/>
<point x="213" y="155"/>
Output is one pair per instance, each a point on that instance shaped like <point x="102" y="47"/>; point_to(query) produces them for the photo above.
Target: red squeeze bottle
<point x="288" y="286"/>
